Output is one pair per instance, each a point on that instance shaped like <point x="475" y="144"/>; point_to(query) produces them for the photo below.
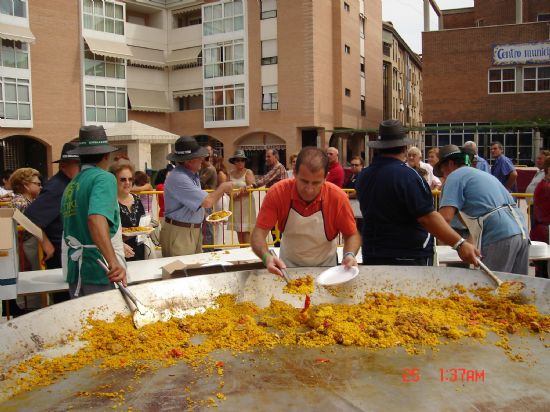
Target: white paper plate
<point x="209" y="219"/>
<point x="133" y="234"/>
<point x="337" y="275"/>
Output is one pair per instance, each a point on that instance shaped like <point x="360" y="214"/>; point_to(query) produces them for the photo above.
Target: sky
<point x="407" y="17"/>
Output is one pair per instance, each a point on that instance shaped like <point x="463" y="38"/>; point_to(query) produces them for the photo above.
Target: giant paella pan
<point x="394" y="338"/>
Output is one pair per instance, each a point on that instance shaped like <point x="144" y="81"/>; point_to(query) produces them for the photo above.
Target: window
<point x="363" y="111"/>
<point x="536" y="79"/>
<point x="15" y="100"/>
<point x="100" y="66"/>
<point x="223" y="17"/>
<point x="103" y="15"/>
<point x="502" y="81"/>
<point x="105" y="104"/>
<point x="386" y="49"/>
<point x="270" y="98"/>
<point x="346" y="7"/>
<point x="543" y="17"/>
<point x="224" y="103"/>
<point x="223" y="59"/>
<point x="185" y="19"/>
<point x="190" y="103"/>
<point x="269" y="9"/>
<point x="362" y="27"/>
<point x="362" y="66"/>
<point x="17" y="8"/>
<point x="269" y="52"/>
<point x="347" y="49"/>
<point x="480" y="23"/>
<point x="347" y="92"/>
<point x="14" y="54"/>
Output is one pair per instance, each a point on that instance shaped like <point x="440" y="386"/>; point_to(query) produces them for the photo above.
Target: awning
<point x="17" y="33"/>
<point x="148" y="100"/>
<point x="147" y="57"/>
<point x="187" y="93"/>
<point x="183" y="55"/>
<point x="108" y="48"/>
<point x="184" y="10"/>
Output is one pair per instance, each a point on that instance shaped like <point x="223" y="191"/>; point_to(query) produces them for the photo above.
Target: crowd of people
<point x="84" y="207"/>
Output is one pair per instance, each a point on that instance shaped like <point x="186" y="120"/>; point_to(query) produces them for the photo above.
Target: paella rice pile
<point x="300" y="286"/>
<point x="382" y="320"/>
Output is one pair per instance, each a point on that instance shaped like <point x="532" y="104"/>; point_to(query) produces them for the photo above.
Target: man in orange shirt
<point x="310" y="212"/>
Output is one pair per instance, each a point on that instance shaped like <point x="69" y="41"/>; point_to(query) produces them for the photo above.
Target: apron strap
<point x="76" y="256"/>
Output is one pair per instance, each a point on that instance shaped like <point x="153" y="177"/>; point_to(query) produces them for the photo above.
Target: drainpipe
<point x="519" y="11"/>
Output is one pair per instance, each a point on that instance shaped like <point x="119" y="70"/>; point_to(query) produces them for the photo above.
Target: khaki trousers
<point x="179" y="241"/>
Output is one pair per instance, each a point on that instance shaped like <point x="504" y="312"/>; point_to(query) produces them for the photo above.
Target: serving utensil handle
<point x="489" y="272"/>
<point x="283" y="271"/>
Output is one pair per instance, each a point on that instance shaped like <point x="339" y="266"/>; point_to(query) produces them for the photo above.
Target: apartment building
<point x="487" y="77"/>
<point x="402" y="81"/>
<point x="234" y="73"/>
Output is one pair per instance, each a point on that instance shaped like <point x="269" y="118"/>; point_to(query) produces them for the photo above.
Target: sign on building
<point x="521" y="53"/>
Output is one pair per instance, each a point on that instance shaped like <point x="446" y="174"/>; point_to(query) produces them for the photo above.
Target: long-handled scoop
<point x="504" y="289"/>
<point x="143" y="315"/>
<point x="283" y="271"/>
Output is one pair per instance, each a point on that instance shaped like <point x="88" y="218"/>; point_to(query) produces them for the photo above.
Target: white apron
<point x="74" y="243"/>
<point x="304" y="242"/>
<point x="475" y="224"/>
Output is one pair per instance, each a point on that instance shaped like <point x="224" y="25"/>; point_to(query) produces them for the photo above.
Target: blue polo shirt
<point x="476" y="193"/>
<point x="392" y="196"/>
<point x="482" y="164"/>
<point x="502" y="168"/>
<point x="44" y="211"/>
<point x="183" y="196"/>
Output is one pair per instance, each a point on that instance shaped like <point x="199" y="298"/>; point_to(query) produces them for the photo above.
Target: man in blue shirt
<point x="496" y="225"/>
<point x="185" y="201"/>
<point x="503" y="169"/>
<point x="398" y="210"/>
<point x="44" y="211"/>
<point x="480" y="162"/>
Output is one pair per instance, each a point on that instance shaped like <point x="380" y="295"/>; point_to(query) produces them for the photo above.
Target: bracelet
<point x="458" y="244"/>
<point x="348" y="254"/>
<point x="264" y="258"/>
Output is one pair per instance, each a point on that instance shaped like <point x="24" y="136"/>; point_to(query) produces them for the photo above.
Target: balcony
<point x="143" y="36"/>
<point x="185" y="37"/>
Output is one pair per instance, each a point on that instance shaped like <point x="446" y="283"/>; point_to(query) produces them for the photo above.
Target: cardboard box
<point x="9" y="258"/>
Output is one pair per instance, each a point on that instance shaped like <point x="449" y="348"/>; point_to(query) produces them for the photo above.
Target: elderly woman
<point x="433" y="156"/>
<point x="131" y="208"/>
<point x="26" y="186"/>
<point x="244" y="212"/>
<point x="413" y="160"/>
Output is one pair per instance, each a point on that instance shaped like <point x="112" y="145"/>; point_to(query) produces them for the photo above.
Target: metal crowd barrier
<point x="224" y="238"/>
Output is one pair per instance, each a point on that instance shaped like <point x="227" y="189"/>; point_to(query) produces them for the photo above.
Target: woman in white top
<point x="244" y="210"/>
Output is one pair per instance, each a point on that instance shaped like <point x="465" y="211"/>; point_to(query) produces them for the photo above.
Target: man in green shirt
<point x="91" y="219"/>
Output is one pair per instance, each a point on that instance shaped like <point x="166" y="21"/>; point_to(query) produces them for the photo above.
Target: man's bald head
<point x="332" y="154"/>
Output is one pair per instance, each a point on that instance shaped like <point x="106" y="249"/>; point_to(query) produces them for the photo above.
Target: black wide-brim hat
<point x="391" y="133"/>
<point x="65" y="155"/>
<point x="187" y="148"/>
<point x="239" y="154"/>
<point x="92" y="140"/>
<point x="447" y="152"/>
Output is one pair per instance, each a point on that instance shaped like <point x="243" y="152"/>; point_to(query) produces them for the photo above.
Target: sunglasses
<point x="239" y="160"/>
<point x="126" y="179"/>
<point x="356" y="164"/>
<point x="37" y="183"/>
